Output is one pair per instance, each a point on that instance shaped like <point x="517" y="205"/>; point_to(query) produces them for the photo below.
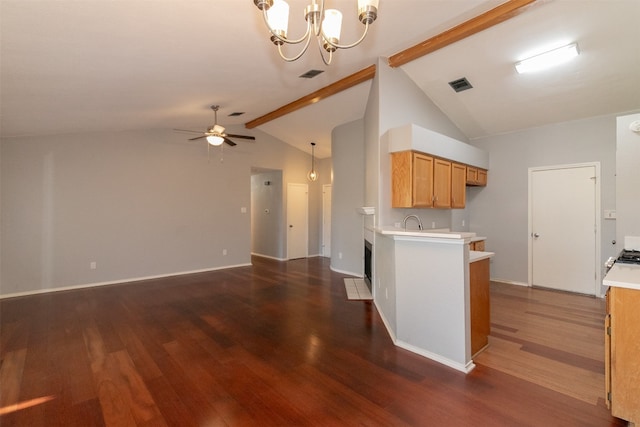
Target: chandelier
<point x="323" y="23"/>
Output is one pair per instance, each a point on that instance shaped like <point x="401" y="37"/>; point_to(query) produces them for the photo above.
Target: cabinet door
<point x="624" y="360"/>
<point x="482" y="177"/>
<point x="480" y="308"/>
<point x="422" y="180"/>
<point x="441" y="183"/>
<point x="458" y="185"/>
<point x="401" y="177"/>
<point x="472" y="175"/>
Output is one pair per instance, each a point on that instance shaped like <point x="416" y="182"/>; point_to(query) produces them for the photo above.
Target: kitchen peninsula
<point x="423" y="291"/>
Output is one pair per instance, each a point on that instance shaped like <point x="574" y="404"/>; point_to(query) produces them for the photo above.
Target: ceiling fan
<point x="215" y="134"/>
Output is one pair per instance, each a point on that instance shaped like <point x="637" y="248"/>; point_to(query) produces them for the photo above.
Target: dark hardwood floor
<point x="278" y="344"/>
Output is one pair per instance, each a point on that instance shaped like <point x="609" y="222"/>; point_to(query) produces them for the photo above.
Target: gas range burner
<point x="629" y="257"/>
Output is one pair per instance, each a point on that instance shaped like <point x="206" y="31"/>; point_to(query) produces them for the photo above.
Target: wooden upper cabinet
<point x="476" y="176"/>
<point x="441" y="183"/>
<point x="411" y="180"/>
<point x="419" y="180"/>
<point x="482" y="177"/>
<point x="422" y="180"/>
<point x="458" y="185"/>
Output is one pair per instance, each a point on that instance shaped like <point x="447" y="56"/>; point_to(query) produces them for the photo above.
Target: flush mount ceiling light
<point x="548" y="59"/>
<point x="312" y="175"/>
<point x="322" y="23"/>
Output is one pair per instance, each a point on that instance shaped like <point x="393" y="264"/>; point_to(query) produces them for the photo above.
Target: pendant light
<point x="313" y="175"/>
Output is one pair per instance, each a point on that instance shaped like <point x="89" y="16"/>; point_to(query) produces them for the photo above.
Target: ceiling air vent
<point x="237" y="113"/>
<point x="460" y="84"/>
<point x="311" y="74"/>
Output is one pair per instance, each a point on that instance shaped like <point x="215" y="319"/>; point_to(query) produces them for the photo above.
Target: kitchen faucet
<point x="414" y="217"/>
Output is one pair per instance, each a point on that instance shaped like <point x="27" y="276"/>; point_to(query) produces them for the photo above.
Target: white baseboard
<point x="267" y="256"/>
<point x="437" y="358"/>
<point x="116" y="282"/>
<point x="350" y="273"/>
<point x="509" y="282"/>
<point x="422" y="352"/>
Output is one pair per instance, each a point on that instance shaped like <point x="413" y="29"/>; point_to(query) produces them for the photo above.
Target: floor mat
<point x="357" y="289"/>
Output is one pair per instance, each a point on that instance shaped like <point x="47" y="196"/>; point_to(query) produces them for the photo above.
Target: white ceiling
<point x="112" y="65"/>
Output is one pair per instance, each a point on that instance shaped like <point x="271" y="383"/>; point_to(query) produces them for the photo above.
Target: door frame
<point x="598" y="220"/>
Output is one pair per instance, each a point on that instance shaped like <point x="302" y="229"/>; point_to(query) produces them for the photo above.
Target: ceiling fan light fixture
<point x="548" y="59"/>
<point x="215" y="140"/>
<point x="325" y="25"/>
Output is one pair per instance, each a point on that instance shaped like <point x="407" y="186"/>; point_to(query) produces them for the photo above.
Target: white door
<point x="563" y="218"/>
<point x="326" y="220"/>
<point x="297" y="221"/>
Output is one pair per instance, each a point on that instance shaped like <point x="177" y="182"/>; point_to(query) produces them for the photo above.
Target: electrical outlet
<point x="339" y="255"/>
<point x="463" y="222"/>
<point x="224" y="252"/>
<point x="93" y="265"/>
<point x="433" y="224"/>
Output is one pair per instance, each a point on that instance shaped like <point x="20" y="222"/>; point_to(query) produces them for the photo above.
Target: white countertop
<point x="479" y="255"/>
<point x="623" y="276"/>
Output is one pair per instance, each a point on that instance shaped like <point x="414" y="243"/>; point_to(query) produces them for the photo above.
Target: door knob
<point x="290" y="226"/>
<point x="536" y="235"/>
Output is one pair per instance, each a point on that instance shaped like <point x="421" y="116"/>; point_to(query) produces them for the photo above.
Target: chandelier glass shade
<point x="312" y="175"/>
<point x="324" y="24"/>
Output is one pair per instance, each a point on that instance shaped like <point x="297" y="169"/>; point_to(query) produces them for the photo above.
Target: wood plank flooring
<point x="279" y="344"/>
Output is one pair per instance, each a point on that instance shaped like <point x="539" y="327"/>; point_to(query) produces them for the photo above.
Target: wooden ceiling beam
<point x="499" y="14"/>
<point x="343" y="84"/>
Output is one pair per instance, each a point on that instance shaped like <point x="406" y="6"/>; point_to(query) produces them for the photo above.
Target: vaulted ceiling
<point x="72" y="66"/>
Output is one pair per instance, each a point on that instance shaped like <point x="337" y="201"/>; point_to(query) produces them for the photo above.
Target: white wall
<point x="627" y="179"/>
<point x="268" y="236"/>
<point x="402" y="102"/>
<point x="347" y="151"/>
<point x="500" y="210"/>
<point x="138" y="203"/>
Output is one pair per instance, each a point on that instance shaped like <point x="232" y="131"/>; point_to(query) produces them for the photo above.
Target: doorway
<point x="297" y="221"/>
<point x="564" y="218"/>
<point x="326" y="220"/>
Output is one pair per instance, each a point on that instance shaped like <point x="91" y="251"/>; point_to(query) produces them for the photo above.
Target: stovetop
<point x="629" y="257"/>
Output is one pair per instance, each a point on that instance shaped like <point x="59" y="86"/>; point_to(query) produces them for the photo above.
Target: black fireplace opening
<point x="368" y="247"/>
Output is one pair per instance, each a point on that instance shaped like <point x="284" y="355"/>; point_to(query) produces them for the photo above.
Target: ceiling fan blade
<point x="197" y="137"/>
<point x="187" y="130"/>
<point x="241" y="136"/>
<point x="230" y="142"/>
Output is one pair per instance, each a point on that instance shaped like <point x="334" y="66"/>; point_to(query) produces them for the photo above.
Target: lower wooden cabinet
<point x="622" y="358"/>
<point x="477" y="245"/>
<point x="480" y="306"/>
